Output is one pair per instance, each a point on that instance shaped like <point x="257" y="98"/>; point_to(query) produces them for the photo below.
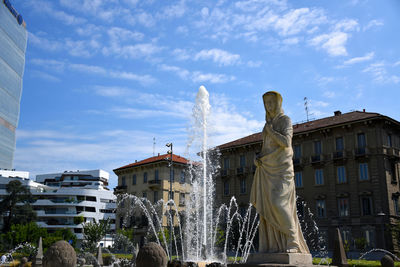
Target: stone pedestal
<point x="276" y="259"/>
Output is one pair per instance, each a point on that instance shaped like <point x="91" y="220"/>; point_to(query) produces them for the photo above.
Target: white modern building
<point x="69" y="199"/>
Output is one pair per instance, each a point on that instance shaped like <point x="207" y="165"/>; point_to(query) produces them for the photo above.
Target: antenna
<point x="306" y="107"/>
<point x="154" y="146"/>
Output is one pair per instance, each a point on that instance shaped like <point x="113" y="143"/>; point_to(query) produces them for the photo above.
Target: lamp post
<point x="171" y="172"/>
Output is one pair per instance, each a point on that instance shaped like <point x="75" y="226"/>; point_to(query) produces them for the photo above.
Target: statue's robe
<point x="273" y="191"/>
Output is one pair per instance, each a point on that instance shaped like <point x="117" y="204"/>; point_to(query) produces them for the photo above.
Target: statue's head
<point x="272" y="103"/>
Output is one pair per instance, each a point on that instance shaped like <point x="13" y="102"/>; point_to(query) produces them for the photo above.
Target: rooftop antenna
<point x="306" y="107"/>
<point x="154" y="146"/>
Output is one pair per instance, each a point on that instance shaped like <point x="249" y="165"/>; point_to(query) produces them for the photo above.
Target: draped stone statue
<point x="273" y="192"/>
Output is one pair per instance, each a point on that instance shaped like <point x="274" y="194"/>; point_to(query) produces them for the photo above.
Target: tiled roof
<point x="175" y="158"/>
<point x="309" y="126"/>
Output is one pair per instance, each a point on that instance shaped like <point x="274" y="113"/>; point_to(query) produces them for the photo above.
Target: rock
<point x="23" y="261"/>
<point x="61" y="253"/>
<point x="151" y="254"/>
<point x="387" y="261"/>
<point x="81" y="261"/>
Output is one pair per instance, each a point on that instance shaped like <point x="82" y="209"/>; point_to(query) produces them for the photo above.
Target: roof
<point x="175" y="159"/>
<point x="310" y="126"/>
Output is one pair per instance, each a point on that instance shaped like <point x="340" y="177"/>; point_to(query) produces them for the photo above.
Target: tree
<point x="93" y="232"/>
<point x="15" y="206"/>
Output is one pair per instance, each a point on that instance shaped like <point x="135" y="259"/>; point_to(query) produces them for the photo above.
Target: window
<point x="319" y="177"/>
<point x="345" y="235"/>
<point x="242" y="186"/>
<point x="366" y="205"/>
<point x="182" y="177"/>
<point x="298" y="179"/>
<point x="182" y="199"/>
<point x="317" y="148"/>
<point x="145" y="177"/>
<point x="363" y="171"/>
<point x="242" y="161"/>
<point x="343" y="207"/>
<point x="341" y="175"/>
<point x="155" y="196"/>
<point x="156" y="175"/>
<point x="123" y="181"/>
<point x="339" y="144"/>
<point x="370" y="237"/>
<point x="297" y="151"/>
<point x="226" y="163"/>
<point x="134" y="179"/>
<point x="396" y="205"/>
<point x="361" y="140"/>
<point x="389" y="140"/>
<point x="226" y="188"/>
<point x="144" y="194"/>
<point x="321" y="213"/>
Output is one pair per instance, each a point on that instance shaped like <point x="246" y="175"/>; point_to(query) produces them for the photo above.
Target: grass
<point x="356" y="263"/>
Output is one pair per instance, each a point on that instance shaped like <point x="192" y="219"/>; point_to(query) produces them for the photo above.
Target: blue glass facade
<point x="13" y="38"/>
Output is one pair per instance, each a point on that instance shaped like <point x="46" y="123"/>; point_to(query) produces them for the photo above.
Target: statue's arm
<point x="283" y="137"/>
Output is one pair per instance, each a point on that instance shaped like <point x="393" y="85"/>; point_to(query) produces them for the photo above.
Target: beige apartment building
<point x="150" y="178"/>
<point x="347" y="170"/>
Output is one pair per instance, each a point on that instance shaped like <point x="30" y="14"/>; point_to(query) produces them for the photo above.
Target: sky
<point x="104" y="78"/>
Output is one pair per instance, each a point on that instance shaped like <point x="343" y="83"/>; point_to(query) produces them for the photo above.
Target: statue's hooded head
<point x="273" y="104"/>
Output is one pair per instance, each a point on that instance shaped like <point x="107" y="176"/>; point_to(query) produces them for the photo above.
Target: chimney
<point x="135" y="160"/>
<point x="337" y="113"/>
<point x="158" y="154"/>
<point x="363" y="109"/>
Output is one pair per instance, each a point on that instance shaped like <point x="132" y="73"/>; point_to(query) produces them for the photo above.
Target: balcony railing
<point x="224" y="172"/>
<point x="338" y="155"/>
<point x="240" y="170"/>
<point x="155" y="182"/>
<point x="360" y="151"/>
<point x="316" y="158"/>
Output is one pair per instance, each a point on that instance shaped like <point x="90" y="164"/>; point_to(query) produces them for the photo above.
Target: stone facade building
<point x="150" y="178"/>
<point x="347" y="170"/>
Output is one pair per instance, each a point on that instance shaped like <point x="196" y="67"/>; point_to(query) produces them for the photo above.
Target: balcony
<point x="338" y="155"/>
<point x="240" y="170"/>
<point x="316" y="159"/>
<point x="224" y="173"/>
<point x="297" y="161"/>
<point x="361" y="152"/>
<point x="156" y="183"/>
<point x="120" y="189"/>
<point x="391" y="152"/>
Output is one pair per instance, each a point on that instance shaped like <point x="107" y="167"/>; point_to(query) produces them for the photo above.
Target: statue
<point x="273" y="192"/>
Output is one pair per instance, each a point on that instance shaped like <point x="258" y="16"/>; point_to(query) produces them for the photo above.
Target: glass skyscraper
<point x="13" y="39"/>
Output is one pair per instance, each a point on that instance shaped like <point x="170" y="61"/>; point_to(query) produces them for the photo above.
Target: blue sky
<point x="103" y="78"/>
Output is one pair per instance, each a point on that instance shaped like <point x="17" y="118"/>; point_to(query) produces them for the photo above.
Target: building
<point x="347" y="170"/>
<point x="150" y="178"/>
<point x="69" y="199"/>
<point x="13" y="40"/>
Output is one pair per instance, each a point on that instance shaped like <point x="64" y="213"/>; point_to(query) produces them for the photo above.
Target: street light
<point x="171" y="170"/>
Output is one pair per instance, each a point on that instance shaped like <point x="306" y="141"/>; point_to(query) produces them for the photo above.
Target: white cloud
<point x="219" y="56"/>
<point x="97" y="70"/>
<point x="45" y="76"/>
<point x="297" y="20"/>
<point x="132" y="51"/>
<point x="113" y="91"/>
<point x="334" y="43"/>
<point x="254" y="64"/>
<point x="52" y="64"/>
<point x="373" y="23"/>
<point x="379" y="73"/>
<point x="180" y="54"/>
<point x="346" y="25"/>
<point x="44" y="43"/>
<point x="355" y="60"/>
<point x="173" y="11"/>
<point x="291" y="41"/>
<point x="197" y="76"/>
<point x="396" y="64"/>
<point x="329" y="94"/>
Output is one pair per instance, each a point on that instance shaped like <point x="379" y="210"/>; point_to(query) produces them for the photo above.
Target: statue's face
<point x="270" y="103"/>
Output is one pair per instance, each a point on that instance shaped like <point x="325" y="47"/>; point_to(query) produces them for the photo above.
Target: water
<point x="206" y="233"/>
